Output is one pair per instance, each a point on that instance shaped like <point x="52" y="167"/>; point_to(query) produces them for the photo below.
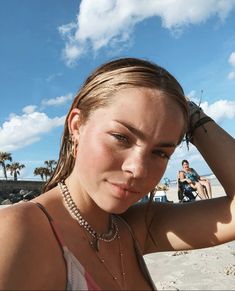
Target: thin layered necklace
<point x="96" y="237"/>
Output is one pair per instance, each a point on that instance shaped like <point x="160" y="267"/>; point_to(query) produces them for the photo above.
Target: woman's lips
<point x="122" y="190"/>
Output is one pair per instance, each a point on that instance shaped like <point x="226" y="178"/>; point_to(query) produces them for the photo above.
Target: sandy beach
<point x="204" y="269"/>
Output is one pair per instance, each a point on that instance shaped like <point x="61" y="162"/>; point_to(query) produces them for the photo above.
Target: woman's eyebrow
<point x="166" y="145"/>
<point x="142" y="136"/>
<point x="132" y="129"/>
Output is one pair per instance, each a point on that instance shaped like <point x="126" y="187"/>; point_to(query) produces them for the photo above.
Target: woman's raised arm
<point x="218" y="149"/>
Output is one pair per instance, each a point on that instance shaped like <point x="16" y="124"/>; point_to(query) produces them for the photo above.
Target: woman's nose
<point x="136" y="165"/>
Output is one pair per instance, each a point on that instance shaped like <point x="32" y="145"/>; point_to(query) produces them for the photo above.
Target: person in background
<point x="200" y="184"/>
<point x="86" y="231"/>
<point x="166" y="181"/>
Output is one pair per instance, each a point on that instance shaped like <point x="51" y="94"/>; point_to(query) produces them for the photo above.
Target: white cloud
<point x="191" y="94"/>
<point x="22" y="130"/>
<point x="231" y="76"/>
<point x="103" y="23"/>
<point x="231" y="59"/>
<point x="29" y="109"/>
<point x="220" y="110"/>
<point x="53" y="76"/>
<point x="183" y="152"/>
<point x="60" y="100"/>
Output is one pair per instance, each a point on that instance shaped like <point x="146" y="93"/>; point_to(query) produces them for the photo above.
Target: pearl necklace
<point x="74" y="211"/>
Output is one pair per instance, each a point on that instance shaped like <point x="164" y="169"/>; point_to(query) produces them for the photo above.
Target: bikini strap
<point x="53" y="225"/>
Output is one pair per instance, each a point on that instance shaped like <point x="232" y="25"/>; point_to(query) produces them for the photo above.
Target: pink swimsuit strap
<point x="52" y="223"/>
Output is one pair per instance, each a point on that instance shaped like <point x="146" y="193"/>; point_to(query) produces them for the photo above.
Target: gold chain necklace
<point x="74" y="211"/>
<point x="107" y="267"/>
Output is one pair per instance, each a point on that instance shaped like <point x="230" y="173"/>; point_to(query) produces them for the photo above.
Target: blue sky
<point x="47" y="49"/>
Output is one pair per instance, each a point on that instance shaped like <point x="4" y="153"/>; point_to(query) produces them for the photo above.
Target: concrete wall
<point x="10" y="186"/>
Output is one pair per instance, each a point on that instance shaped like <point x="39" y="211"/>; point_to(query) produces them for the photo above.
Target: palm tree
<point x="42" y="172"/>
<point x="50" y="164"/>
<point x="47" y="173"/>
<point x="14" y="169"/>
<point x="39" y="172"/>
<point x="4" y="156"/>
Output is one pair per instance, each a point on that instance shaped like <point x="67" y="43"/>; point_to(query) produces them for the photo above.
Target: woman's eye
<point x="120" y="137"/>
<point x="161" y="154"/>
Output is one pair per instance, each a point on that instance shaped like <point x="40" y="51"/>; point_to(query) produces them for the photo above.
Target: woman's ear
<point x="74" y="122"/>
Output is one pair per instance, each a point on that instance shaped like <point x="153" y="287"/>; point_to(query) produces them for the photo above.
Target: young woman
<point x="193" y="180"/>
<point x="86" y="232"/>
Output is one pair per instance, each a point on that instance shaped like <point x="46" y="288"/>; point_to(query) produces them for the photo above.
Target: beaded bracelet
<point x="200" y="122"/>
<point x="195" y="109"/>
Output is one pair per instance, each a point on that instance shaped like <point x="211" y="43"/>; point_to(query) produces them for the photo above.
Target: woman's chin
<point x="117" y="208"/>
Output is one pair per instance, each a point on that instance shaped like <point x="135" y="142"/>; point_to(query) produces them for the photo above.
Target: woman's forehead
<point x="146" y="110"/>
<point x="148" y="104"/>
<point x="133" y="96"/>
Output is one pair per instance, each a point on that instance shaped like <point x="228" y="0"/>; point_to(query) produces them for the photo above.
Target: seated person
<point x="200" y="184"/>
<point x="185" y="192"/>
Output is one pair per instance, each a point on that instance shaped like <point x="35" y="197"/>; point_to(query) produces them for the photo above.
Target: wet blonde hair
<point x="101" y="85"/>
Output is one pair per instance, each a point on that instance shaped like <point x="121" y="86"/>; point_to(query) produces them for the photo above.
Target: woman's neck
<point x="97" y="218"/>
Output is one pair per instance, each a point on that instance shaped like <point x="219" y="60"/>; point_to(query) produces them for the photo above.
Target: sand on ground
<point x="204" y="269"/>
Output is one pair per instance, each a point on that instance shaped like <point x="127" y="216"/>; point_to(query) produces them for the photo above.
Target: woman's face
<point x="124" y="148"/>
<point x="185" y="166"/>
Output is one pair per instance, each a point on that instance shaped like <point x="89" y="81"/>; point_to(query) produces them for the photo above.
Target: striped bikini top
<point x="77" y="277"/>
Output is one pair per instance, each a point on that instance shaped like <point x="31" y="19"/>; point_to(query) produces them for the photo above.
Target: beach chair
<point x="186" y="194"/>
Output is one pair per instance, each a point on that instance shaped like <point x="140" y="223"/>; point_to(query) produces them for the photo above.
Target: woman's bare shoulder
<point x="20" y="225"/>
<point x="16" y="219"/>
<point x="26" y="240"/>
